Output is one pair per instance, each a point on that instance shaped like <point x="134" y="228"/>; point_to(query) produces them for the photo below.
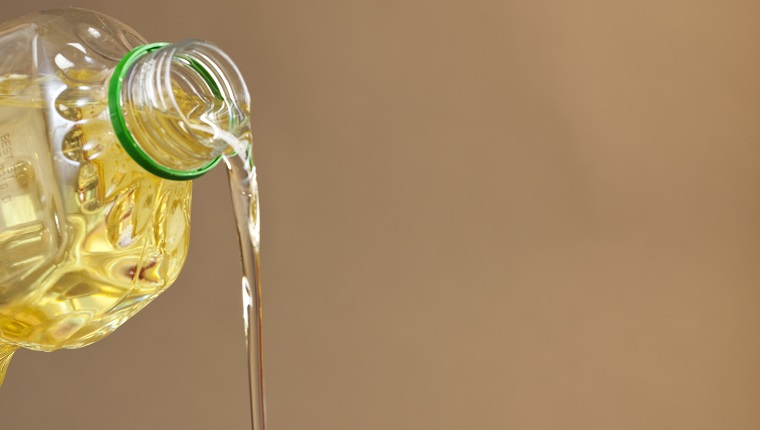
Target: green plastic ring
<point x="126" y="138"/>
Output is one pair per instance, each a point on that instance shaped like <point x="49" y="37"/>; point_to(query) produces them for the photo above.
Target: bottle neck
<point x="181" y="106"/>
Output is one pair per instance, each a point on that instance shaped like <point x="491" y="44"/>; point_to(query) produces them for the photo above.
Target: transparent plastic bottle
<point x="99" y="133"/>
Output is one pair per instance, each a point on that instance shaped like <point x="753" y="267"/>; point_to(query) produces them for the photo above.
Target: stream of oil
<point x="244" y="189"/>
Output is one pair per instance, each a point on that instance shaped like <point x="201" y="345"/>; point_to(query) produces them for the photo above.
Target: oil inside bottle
<point x="86" y="238"/>
<point x="107" y="266"/>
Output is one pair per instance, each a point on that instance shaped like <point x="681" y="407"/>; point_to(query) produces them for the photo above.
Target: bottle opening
<point x="177" y="108"/>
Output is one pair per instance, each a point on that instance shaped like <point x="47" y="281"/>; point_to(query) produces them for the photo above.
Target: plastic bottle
<point x="99" y="133"/>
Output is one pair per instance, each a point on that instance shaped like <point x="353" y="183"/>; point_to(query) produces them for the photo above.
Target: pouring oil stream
<point x="244" y="191"/>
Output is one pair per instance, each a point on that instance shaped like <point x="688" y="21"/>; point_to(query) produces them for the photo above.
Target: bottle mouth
<point x="191" y="102"/>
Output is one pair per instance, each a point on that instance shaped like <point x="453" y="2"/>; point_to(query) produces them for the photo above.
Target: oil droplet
<point x="88" y="178"/>
<point x="72" y="144"/>
<point x="88" y="183"/>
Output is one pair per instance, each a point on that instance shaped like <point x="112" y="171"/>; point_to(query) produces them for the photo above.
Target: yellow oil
<point x="87" y="237"/>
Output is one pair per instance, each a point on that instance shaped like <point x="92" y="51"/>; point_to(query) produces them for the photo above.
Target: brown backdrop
<point x="476" y="215"/>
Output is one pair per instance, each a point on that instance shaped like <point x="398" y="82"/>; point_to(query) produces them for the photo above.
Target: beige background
<point x="476" y="215"/>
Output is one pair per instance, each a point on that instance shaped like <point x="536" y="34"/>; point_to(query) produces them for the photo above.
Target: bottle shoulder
<point x="58" y="40"/>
